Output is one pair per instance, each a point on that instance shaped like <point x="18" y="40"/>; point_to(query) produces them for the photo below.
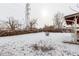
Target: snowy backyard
<point x="36" y="29"/>
<point x="21" y="45"/>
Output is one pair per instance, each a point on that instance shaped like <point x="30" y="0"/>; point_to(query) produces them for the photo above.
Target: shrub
<point x="43" y="46"/>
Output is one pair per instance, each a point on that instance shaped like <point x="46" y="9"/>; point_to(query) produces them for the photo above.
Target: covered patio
<point x="73" y="21"/>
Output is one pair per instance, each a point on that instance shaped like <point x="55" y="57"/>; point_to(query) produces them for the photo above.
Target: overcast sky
<point x="44" y="12"/>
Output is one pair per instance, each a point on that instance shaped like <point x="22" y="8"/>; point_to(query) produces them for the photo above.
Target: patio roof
<point x="71" y="17"/>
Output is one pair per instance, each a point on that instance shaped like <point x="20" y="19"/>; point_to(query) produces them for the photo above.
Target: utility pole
<point x="27" y="15"/>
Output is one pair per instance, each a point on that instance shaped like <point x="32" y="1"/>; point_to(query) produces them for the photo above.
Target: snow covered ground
<point x="21" y="45"/>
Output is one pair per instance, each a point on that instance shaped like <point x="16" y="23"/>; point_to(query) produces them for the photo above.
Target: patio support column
<point x="75" y="29"/>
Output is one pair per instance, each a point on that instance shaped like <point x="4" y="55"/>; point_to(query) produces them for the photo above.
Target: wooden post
<point x="75" y="29"/>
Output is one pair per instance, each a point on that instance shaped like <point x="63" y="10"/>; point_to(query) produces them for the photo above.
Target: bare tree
<point x="12" y="24"/>
<point x="32" y="23"/>
<point x="75" y="9"/>
<point x="59" y="20"/>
